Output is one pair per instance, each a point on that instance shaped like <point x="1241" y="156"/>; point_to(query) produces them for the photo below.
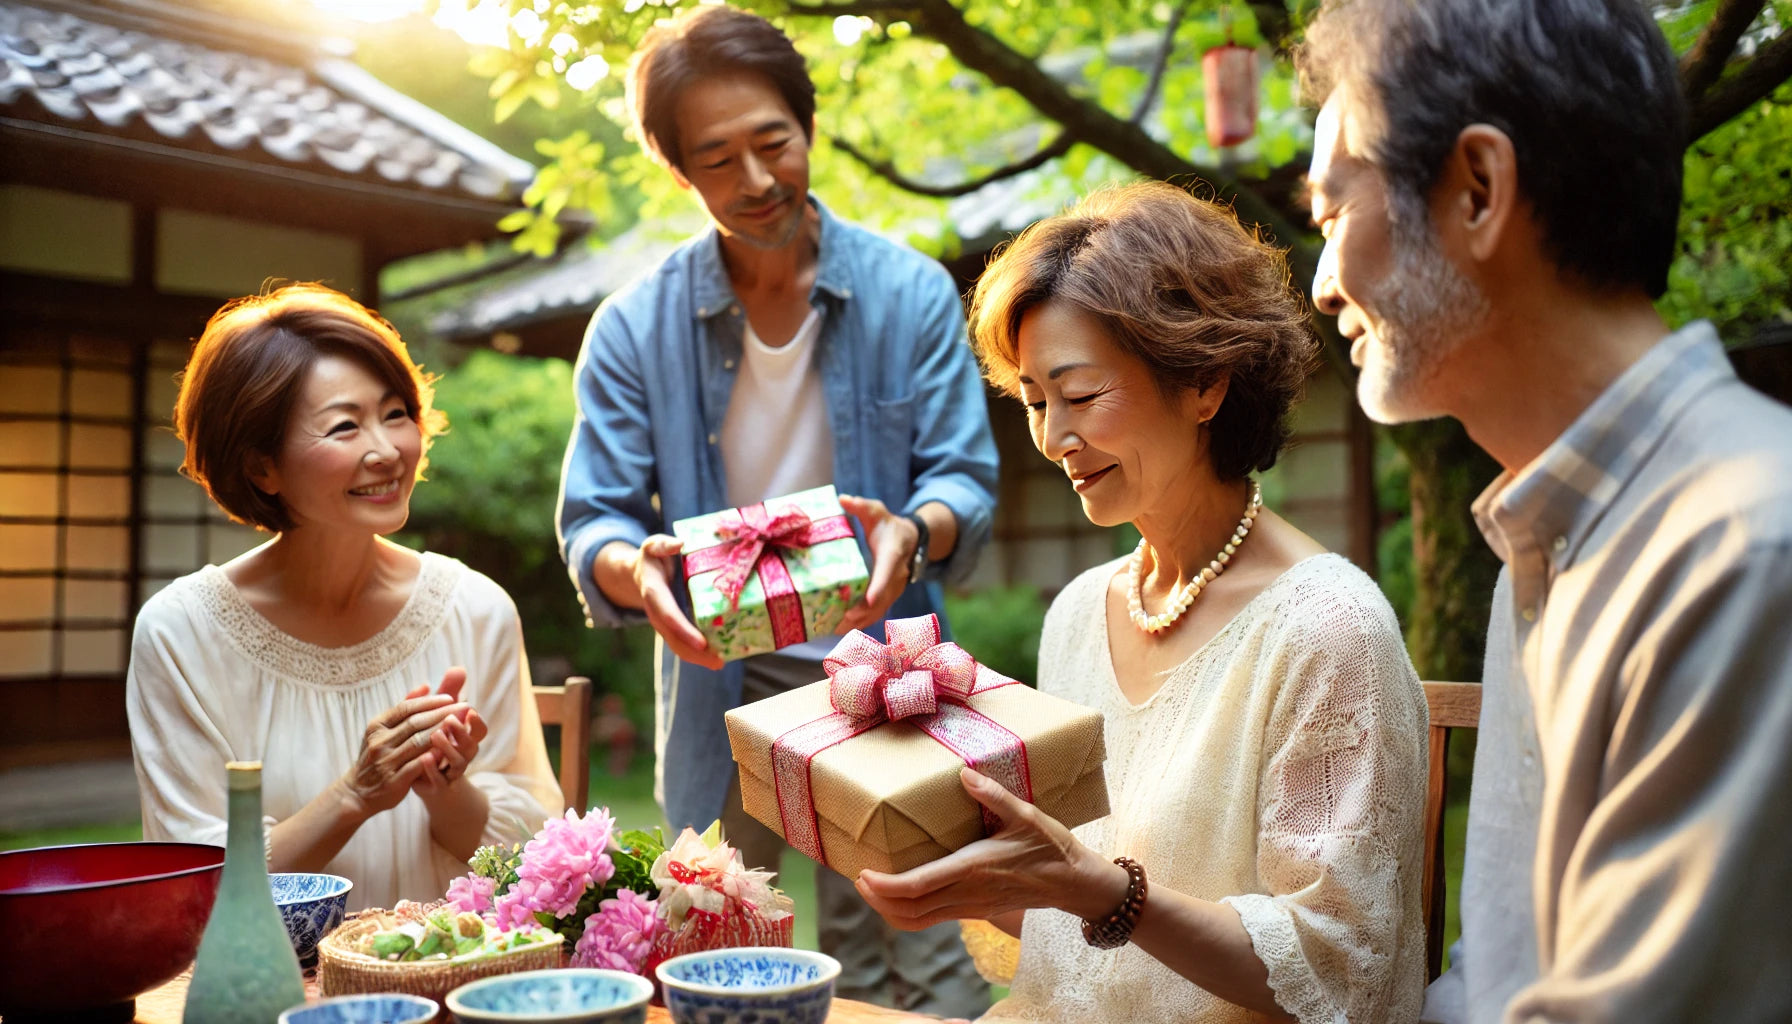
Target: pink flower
<point x="563" y="860"/>
<point x="620" y="935"/>
<point x="513" y="910"/>
<point x="472" y="892"/>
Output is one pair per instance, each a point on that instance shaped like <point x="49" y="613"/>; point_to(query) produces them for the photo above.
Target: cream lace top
<point x="212" y="681"/>
<point x="1281" y="770"/>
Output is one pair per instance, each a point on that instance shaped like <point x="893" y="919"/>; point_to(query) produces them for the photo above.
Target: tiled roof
<point x="151" y="70"/>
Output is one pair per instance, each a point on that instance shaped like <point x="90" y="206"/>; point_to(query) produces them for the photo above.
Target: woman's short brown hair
<point x="248" y="368"/>
<point x="1177" y="283"/>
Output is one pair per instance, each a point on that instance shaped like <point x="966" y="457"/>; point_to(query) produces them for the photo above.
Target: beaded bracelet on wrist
<point x="1115" y="930"/>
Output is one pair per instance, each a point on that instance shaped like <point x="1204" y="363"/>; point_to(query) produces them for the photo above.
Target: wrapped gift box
<point x="773" y="574"/>
<point x="889" y="797"/>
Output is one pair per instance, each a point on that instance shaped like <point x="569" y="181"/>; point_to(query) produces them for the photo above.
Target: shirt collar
<point x="712" y="293"/>
<point x="1560" y="494"/>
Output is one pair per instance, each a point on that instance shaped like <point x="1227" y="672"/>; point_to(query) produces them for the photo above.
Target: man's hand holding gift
<point x="651" y="575"/>
<point x="893" y="540"/>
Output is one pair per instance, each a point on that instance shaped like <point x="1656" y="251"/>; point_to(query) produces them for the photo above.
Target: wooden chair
<point x="569" y="707"/>
<point x="1453" y="706"/>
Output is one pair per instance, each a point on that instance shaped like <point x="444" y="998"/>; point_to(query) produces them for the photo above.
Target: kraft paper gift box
<point x="865" y="790"/>
<point x="772" y="574"/>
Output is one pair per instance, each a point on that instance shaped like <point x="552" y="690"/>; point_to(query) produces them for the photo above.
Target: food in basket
<point x="426" y="951"/>
<point x="444" y="935"/>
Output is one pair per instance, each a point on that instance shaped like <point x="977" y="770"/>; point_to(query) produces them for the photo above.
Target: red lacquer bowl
<point x="86" y="929"/>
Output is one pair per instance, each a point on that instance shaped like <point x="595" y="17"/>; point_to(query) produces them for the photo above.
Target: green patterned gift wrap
<point x="772" y="574"/>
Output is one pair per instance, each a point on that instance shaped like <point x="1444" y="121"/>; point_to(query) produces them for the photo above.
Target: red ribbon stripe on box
<point x="750" y="544"/>
<point x="916" y="679"/>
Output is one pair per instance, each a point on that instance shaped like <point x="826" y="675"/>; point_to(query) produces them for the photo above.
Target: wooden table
<point x="163" y="1006"/>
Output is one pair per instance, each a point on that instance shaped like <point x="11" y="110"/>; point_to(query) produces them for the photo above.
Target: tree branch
<point x="1163" y="61"/>
<point x="1702" y="64"/>
<point x="1766" y="71"/>
<point x="1083" y="121"/>
<point x="886" y="170"/>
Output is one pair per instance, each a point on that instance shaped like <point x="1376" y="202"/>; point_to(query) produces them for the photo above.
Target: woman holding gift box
<point x="1265" y="728"/>
<point x="319" y="652"/>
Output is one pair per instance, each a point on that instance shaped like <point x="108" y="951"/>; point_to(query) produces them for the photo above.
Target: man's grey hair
<point x="1587" y="90"/>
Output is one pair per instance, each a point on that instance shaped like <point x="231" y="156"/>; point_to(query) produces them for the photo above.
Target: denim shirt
<point x="653" y="382"/>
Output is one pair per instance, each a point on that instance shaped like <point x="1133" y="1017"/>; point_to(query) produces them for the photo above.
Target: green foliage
<point x="573" y="179"/>
<point x="1000" y="627"/>
<point x="440" y="69"/>
<point x="640" y="849"/>
<point x="1734" y="265"/>
<point x="496" y="472"/>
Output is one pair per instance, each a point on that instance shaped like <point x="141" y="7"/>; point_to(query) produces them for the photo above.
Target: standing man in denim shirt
<point x="781" y="350"/>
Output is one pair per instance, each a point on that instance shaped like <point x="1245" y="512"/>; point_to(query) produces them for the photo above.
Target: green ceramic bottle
<point x="246" y="971"/>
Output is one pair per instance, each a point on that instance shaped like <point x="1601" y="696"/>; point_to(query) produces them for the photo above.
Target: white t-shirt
<point x="775" y="437"/>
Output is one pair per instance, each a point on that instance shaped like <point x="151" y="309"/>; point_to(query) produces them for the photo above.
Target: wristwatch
<point x="917" y="563"/>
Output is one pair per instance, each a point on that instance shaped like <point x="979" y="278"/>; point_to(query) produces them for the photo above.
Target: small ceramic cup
<point x="570" y="995"/>
<point x="370" y="1008"/>
<point x="311" y="905"/>
<point x="758" y="984"/>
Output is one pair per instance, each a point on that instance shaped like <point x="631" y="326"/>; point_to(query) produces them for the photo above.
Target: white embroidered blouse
<point x="211" y="680"/>
<point x="1280" y="770"/>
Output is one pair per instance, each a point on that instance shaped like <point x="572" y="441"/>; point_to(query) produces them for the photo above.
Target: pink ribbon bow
<point x="901" y="679"/>
<point x="915" y="679"/>
<point x="746" y="539"/>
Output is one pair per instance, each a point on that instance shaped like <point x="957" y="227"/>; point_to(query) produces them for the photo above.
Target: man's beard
<point x="1425" y="309"/>
<point x="786" y="231"/>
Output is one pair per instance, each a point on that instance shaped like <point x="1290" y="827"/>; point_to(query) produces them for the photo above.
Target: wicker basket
<point x="342" y="971"/>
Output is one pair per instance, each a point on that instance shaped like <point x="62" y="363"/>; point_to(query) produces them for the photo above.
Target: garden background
<point x="1052" y="96"/>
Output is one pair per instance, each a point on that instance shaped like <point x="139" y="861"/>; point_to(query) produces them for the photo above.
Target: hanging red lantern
<point x="1229" y="73"/>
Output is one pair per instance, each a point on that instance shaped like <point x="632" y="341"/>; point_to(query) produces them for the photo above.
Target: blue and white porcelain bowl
<point x="373" y="1008"/>
<point x="570" y="995"/>
<point x="311" y="905"/>
<point x="752" y="985"/>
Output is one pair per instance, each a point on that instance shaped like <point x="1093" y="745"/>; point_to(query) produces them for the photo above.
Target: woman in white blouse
<point x="383" y="690"/>
<point x="1265" y="729"/>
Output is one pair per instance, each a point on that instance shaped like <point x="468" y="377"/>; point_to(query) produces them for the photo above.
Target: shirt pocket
<point x="892" y="434"/>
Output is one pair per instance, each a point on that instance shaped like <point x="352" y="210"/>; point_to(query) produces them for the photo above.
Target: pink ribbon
<point x="916" y="679"/>
<point x="750" y="544"/>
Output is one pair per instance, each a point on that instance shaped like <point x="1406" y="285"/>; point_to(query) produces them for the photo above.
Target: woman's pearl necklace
<point x="1179" y="601"/>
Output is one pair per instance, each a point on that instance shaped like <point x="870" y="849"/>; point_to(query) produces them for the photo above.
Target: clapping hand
<point x="1031" y="861"/>
<point x="455" y="741"/>
<point x="398" y="747"/>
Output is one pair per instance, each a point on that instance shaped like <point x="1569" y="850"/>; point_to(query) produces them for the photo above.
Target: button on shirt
<point x="905" y="406"/>
<point x="1634" y="759"/>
